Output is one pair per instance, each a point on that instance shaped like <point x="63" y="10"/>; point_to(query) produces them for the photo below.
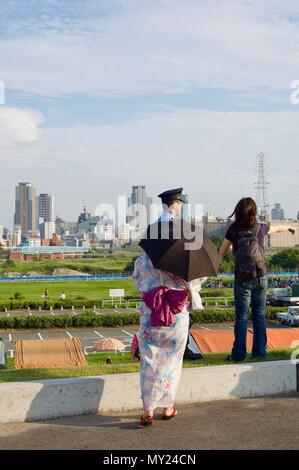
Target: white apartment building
<point x="14" y="236"/>
<point x="46" y="230"/>
<point x="124" y="231"/>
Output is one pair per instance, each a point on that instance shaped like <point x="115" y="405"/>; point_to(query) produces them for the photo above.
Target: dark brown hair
<point x="245" y="214"/>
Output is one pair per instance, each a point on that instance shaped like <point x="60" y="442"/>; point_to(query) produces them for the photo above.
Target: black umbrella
<point x="181" y="248"/>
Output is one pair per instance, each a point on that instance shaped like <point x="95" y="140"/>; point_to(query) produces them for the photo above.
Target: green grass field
<point x="89" y="290"/>
<point x="86" y="290"/>
<point x="120" y="364"/>
<point x="116" y="261"/>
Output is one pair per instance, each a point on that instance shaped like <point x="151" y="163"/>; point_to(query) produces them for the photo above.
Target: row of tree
<point x="284" y="259"/>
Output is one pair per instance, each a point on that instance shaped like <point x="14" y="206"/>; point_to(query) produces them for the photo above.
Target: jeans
<point x="252" y="292"/>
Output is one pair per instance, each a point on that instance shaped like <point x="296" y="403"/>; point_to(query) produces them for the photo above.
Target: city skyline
<point x="101" y="96"/>
<point x="37" y="226"/>
<point x="46" y="212"/>
<point x="151" y="199"/>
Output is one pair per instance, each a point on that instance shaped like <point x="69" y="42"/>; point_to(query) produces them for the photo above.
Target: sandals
<point x="173" y="414"/>
<point x="148" y="421"/>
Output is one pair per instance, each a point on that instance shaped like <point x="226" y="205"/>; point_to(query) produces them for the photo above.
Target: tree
<point x="130" y="265"/>
<point x="288" y="259"/>
<point x="227" y="265"/>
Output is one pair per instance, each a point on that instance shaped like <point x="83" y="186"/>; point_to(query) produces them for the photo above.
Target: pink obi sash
<point x="164" y="304"/>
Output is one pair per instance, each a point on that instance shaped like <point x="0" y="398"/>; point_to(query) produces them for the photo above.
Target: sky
<point x="100" y="95"/>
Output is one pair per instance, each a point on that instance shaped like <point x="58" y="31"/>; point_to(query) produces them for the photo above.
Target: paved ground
<point x="89" y="335"/>
<point x="260" y="423"/>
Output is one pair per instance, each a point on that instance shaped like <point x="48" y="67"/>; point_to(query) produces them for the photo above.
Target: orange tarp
<point x="281" y="337"/>
<point x="213" y="341"/>
<point x="49" y="353"/>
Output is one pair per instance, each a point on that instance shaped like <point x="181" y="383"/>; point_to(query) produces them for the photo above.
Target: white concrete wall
<point x="38" y="400"/>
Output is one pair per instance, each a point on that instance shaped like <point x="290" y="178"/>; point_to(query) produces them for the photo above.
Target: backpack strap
<point x="256" y="230"/>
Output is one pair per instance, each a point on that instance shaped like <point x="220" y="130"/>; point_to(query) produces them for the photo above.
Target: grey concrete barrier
<point x="40" y="400"/>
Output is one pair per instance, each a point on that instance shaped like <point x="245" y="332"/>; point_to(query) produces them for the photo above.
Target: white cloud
<point x="157" y="46"/>
<point x="145" y="47"/>
<point x="18" y="126"/>
<point x="211" y="154"/>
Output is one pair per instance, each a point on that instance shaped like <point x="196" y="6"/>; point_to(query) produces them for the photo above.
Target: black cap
<point x="172" y="195"/>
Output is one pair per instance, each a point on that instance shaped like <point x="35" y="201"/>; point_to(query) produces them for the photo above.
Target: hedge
<point x="18" y="304"/>
<point x="228" y="315"/>
<point x="35" y="304"/>
<point x="21" y="304"/>
<point x="90" y="319"/>
<point x="214" y="293"/>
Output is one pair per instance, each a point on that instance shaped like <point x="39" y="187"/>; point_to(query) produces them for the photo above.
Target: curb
<point x="54" y="398"/>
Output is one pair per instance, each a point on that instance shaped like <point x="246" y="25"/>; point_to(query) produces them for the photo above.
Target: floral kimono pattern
<point x="161" y="348"/>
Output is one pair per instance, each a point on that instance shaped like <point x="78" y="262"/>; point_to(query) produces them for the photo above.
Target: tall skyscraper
<point x="25" y="208"/>
<point x="46" y="208"/>
<point x="277" y="213"/>
<point x="139" y="196"/>
<point x="46" y="215"/>
<point x="184" y="214"/>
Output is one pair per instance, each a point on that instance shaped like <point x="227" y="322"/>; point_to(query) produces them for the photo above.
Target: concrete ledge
<point x="39" y="400"/>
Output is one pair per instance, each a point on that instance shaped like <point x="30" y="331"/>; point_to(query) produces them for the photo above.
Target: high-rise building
<point x="31" y="240"/>
<point x="277" y="213"/>
<point x="14" y="236"/>
<point x="46" y="215"/>
<point x="60" y="226"/>
<point x="47" y="229"/>
<point x="25" y="208"/>
<point x="148" y="209"/>
<point x="71" y="228"/>
<point x="46" y="208"/>
<point x="105" y="229"/>
<point x="124" y="232"/>
<point x="139" y="196"/>
<point x="298" y="216"/>
<point x="184" y="213"/>
<point x="84" y="216"/>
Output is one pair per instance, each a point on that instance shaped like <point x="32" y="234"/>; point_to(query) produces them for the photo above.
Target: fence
<point x="135" y="303"/>
<point x="127" y="303"/>
<point x="106" y="276"/>
<point x="218" y="301"/>
<point x="110" y="275"/>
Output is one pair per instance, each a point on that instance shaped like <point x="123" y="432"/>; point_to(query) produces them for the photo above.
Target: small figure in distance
<point x="62" y="296"/>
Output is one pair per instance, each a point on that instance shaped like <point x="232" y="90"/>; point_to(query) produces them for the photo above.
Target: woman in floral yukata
<point x="162" y="347"/>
